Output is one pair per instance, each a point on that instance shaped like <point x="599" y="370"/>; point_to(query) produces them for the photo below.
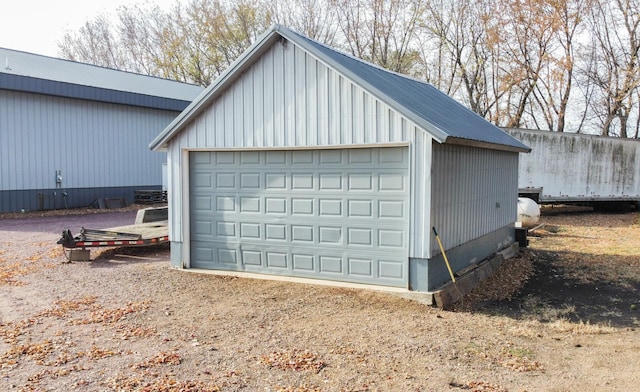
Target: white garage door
<point x="325" y="214"/>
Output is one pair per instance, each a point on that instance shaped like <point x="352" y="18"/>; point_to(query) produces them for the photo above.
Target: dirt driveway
<point x="126" y="321"/>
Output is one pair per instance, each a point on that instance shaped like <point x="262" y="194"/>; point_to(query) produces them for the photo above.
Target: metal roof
<point x="48" y="75"/>
<point x="443" y="117"/>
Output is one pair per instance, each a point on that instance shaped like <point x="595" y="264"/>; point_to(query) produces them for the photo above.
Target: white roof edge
<point x="37" y="66"/>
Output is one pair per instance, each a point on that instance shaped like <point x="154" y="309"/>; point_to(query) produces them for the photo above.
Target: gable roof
<point x="440" y="115"/>
<point x="34" y="73"/>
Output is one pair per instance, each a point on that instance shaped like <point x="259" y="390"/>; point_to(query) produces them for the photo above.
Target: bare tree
<point x="315" y="19"/>
<point x="94" y="43"/>
<point x="613" y="68"/>
<point x="535" y="63"/>
<point x="192" y="43"/>
<point x="381" y="31"/>
<point x="520" y="40"/>
<point x="460" y="63"/>
<point x="554" y="87"/>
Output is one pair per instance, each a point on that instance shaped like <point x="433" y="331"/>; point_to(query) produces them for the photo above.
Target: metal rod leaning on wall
<point x="444" y="254"/>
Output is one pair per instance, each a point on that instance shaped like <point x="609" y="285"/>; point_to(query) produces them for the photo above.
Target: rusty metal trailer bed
<point x="138" y="234"/>
<point x="134" y="235"/>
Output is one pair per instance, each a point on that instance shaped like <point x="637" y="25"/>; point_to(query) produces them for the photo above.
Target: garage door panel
<point x="353" y="266"/>
<point x="304" y="263"/>
<point x="302" y="206"/>
<point x="250" y="205"/>
<point x="250" y="181"/>
<point x="329" y="214"/>
<point x="391" y="270"/>
<point x="390" y="209"/>
<point x="250" y="231"/>
<point x="252" y="257"/>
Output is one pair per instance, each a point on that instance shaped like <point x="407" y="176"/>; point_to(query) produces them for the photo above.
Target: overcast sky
<point x="37" y="26"/>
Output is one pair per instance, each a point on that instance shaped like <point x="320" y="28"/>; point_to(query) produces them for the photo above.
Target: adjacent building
<point x="73" y="133"/>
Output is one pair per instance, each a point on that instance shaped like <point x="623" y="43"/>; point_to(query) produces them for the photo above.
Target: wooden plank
<point x="451" y="293"/>
<point x="97" y="235"/>
<point x="145" y="230"/>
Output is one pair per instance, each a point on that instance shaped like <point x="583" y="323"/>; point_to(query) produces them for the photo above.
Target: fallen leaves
<point x="12" y="330"/>
<point x="9" y="272"/>
<point x="127" y="331"/>
<point x="164" y="384"/>
<point x="506" y="354"/>
<point x="162" y="358"/>
<point x="302" y="388"/>
<point x="100" y="353"/>
<point x="481" y="386"/>
<point x="110" y="316"/>
<point x="62" y="308"/>
<point x="55" y="353"/>
<point x="507" y="280"/>
<point x="518" y="359"/>
<point x="294" y="360"/>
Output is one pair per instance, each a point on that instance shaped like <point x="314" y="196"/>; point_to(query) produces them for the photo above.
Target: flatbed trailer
<point x="142" y="233"/>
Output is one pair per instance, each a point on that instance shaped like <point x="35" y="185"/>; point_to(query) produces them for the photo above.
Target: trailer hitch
<point x="67" y="239"/>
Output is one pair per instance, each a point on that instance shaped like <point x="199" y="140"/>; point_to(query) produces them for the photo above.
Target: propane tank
<point x="528" y="212"/>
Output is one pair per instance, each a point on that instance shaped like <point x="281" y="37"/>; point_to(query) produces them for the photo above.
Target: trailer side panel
<point x="574" y="167"/>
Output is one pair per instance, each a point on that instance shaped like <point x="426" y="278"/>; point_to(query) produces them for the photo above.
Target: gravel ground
<point x="126" y="321"/>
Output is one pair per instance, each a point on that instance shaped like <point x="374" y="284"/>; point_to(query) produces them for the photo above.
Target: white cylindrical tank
<point x="528" y="212"/>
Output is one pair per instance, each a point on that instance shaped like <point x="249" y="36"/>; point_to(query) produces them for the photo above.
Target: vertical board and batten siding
<point x="94" y="145"/>
<point x="474" y="193"/>
<point x="290" y="99"/>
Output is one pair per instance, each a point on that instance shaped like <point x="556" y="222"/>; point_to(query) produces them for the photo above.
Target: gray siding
<point x="474" y="193"/>
<point x="93" y="144"/>
<point x="51" y="199"/>
<point x="289" y="99"/>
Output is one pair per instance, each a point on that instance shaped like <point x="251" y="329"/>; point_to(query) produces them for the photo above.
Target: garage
<point x="304" y="162"/>
<point x="338" y="214"/>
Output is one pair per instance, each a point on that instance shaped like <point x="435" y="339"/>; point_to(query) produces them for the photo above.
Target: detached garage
<point x="303" y="161"/>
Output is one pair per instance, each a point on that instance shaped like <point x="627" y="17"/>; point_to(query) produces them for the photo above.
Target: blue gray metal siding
<point x="290" y="99"/>
<point x="429" y="274"/>
<point x="61" y="89"/>
<point x="94" y="145"/>
<point x="474" y="192"/>
<point x="51" y="199"/>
